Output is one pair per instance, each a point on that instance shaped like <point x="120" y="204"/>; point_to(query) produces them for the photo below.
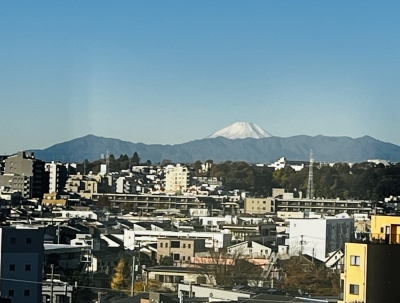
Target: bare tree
<point x="226" y="269"/>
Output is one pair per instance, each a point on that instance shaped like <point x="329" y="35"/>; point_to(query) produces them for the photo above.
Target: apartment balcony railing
<point x="379" y="238"/>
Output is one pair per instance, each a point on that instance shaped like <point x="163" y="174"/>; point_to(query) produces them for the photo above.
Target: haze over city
<point x="172" y="71"/>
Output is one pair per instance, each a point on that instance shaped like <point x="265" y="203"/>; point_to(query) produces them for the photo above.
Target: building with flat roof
<point x="318" y="237"/>
<point x="24" y="173"/>
<point x="370" y="272"/>
<point x="21" y="264"/>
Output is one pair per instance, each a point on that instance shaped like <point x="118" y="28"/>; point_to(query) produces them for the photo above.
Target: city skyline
<point x="170" y="72"/>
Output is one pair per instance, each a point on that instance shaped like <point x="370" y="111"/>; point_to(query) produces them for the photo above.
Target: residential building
<point x="177" y="178"/>
<point x="180" y="249"/>
<point x="318" y="237"/>
<point x="125" y="185"/>
<point x="58" y="175"/>
<point x="370" y="274"/>
<point x="171" y="276"/>
<point x="321" y="205"/>
<point x="282" y="163"/>
<point x="150" y="203"/>
<point x="259" y="205"/>
<point x="385" y="227"/>
<point x="21" y="259"/>
<point x="24" y="173"/>
<point x="215" y="240"/>
<point x="213" y="293"/>
<point x="249" y="249"/>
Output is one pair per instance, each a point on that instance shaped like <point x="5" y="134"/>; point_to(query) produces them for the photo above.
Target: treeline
<point x="115" y="164"/>
<point x="365" y="180"/>
<point x="360" y="181"/>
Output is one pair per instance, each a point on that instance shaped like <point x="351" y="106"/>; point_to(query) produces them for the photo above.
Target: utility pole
<point x="133" y="275"/>
<point x="51" y="283"/>
<point x="301" y="245"/>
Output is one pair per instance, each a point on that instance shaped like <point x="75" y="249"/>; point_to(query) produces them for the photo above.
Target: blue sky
<point x="174" y="71"/>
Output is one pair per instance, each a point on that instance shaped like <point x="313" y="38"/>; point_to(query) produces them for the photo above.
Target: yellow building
<point x="371" y="269"/>
<point x="386" y="228"/>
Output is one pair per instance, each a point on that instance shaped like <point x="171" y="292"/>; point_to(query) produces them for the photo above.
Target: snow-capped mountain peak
<point x="241" y="130"/>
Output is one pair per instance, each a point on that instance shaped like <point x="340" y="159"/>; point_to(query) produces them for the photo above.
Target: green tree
<point x="135" y="160"/>
<point x="197" y="168"/>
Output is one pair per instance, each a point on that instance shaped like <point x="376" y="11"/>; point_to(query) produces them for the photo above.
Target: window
<point x="175" y="244"/>
<point x="161" y="244"/>
<point x="355" y="260"/>
<point x="11" y="292"/>
<point x="183" y="245"/>
<point x="27" y="292"/>
<point x="62" y="299"/>
<point x="177" y="257"/>
<point x="12" y="267"/>
<point x="13" y="241"/>
<point x="189" y="245"/>
<point x="354" y="289"/>
<point x="27" y="267"/>
<point x="28" y="240"/>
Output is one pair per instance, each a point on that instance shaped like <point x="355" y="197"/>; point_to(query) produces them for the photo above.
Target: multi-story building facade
<point x="58" y="175"/>
<point x="177" y="178"/>
<point x="21" y="262"/>
<point x="370" y="274"/>
<point x="321" y="205"/>
<point x="149" y="203"/>
<point x="318" y="237"/>
<point x="180" y="249"/>
<point x="259" y="205"/>
<point x="24" y="173"/>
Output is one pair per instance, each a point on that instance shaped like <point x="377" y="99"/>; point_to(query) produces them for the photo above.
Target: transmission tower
<point x="310" y="187"/>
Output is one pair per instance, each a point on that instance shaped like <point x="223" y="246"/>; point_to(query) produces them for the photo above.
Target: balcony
<point x="379" y="238"/>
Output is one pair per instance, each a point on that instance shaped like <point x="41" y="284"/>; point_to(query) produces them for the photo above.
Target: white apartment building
<point x="57" y="176"/>
<point x="318" y="237"/>
<point x="177" y="178"/>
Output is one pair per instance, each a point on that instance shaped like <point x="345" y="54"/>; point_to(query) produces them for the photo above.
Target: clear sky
<point x="174" y="71"/>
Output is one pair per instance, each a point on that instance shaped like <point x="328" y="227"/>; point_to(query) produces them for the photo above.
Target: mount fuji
<point x="241" y="130"/>
<point x="237" y="142"/>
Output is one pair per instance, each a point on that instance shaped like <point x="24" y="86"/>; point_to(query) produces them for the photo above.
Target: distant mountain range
<point x="220" y="148"/>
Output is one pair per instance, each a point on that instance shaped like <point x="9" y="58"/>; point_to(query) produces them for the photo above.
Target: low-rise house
<point x="171" y="276"/>
<point x="249" y="249"/>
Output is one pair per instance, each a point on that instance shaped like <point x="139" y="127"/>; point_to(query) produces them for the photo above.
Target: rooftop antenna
<point x="310" y="187"/>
